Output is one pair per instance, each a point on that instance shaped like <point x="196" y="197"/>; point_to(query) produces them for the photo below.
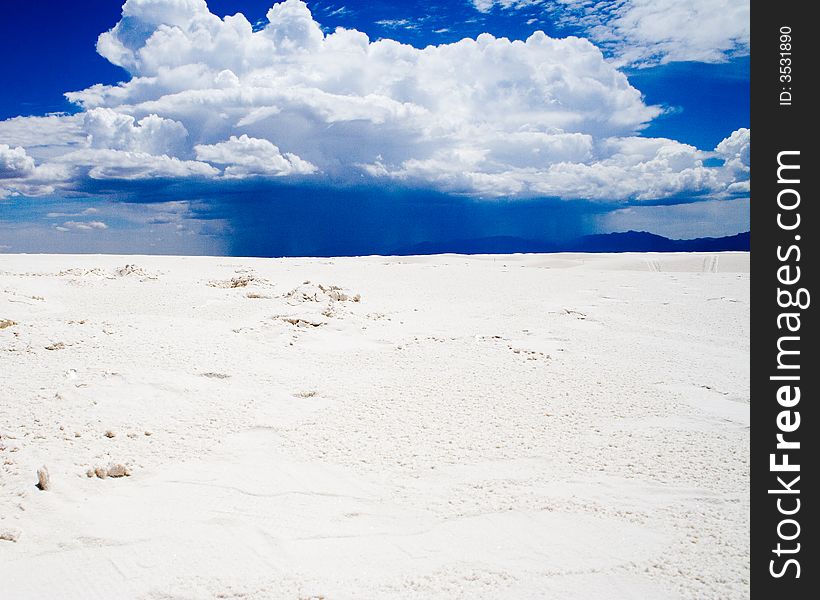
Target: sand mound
<point x="113" y="470"/>
<point x="234" y="282"/>
<point x="10" y="535"/>
<point x="313" y="292"/>
<point x="133" y="271"/>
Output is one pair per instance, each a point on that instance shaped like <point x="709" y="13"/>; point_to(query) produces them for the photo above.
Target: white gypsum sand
<point x="528" y="426"/>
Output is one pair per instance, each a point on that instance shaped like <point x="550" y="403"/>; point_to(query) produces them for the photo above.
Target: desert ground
<point x="561" y="426"/>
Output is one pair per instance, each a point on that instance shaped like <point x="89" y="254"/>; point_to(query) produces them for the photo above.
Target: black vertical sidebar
<point x="784" y="373"/>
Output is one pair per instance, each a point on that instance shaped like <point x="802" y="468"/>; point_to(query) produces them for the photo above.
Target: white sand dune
<point x="529" y="426"/>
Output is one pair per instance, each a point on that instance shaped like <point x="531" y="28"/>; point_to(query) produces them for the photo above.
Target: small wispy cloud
<point x="398" y="23"/>
<point x="486" y="6"/>
<point x="64" y="215"/>
<point x="342" y="10"/>
<point x="82" y="226"/>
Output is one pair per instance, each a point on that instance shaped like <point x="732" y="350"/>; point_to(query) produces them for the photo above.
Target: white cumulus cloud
<point x="152" y="134"/>
<point x="625" y="167"/>
<point x="14" y="162"/>
<point x="246" y="156"/>
<point x="736" y="149"/>
<point x="211" y="98"/>
<point x="108" y="163"/>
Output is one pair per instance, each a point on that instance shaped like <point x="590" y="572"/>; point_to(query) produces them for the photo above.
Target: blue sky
<point x="275" y="132"/>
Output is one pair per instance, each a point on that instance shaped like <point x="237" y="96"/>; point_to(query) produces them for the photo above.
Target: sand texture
<point x="511" y="427"/>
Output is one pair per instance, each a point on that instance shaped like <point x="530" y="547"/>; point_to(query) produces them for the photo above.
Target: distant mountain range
<point x="628" y="241"/>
